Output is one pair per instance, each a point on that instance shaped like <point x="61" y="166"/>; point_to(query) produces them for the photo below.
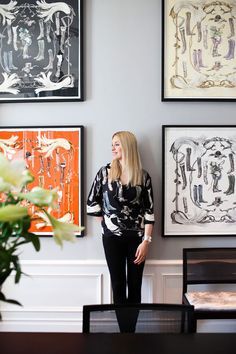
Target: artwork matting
<point x="41" y="50"/>
<point x="54" y="156"/>
<point x="198" y="50"/>
<point x="199" y="190"/>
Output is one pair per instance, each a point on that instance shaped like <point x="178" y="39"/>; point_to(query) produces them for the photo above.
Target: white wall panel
<point x="171" y="284"/>
<point x="57" y="290"/>
<point x="148" y="287"/>
<point x="54" y="292"/>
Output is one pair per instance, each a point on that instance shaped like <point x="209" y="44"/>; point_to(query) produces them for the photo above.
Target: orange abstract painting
<point x="54" y="157"/>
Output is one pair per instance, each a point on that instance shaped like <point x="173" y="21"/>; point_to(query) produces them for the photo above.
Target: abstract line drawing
<point x="199" y="180"/>
<point x="40" y="50"/>
<point x="199" y="50"/>
<point x="54" y="155"/>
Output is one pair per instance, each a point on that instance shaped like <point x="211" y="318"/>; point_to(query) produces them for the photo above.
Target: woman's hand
<point x="141" y="252"/>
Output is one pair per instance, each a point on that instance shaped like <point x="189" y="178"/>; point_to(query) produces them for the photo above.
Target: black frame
<point x="185" y="212"/>
<point x="204" y="313"/>
<point x="198" y="60"/>
<point x="205" y="253"/>
<point x="41" y="51"/>
<point x="52" y="166"/>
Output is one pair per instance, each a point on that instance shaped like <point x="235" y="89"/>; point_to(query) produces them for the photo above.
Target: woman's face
<point x="116" y="148"/>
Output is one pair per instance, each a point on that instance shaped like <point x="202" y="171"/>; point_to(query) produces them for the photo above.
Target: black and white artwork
<point x="40" y="50"/>
<point x="199" y="50"/>
<point x="199" y="170"/>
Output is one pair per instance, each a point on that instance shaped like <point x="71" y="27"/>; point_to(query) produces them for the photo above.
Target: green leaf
<point x="26" y="223"/>
<point x="18" y="275"/>
<point x="6" y="230"/>
<point x="35" y="241"/>
<point x="4" y="275"/>
<point x="11" y="301"/>
<point x="17" y="268"/>
<point x="17" y="227"/>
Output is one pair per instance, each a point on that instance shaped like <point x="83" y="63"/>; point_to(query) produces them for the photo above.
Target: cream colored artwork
<point x="200" y="53"/>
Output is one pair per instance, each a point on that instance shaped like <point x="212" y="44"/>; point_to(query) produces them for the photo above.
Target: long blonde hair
<point x="132" y="159"/>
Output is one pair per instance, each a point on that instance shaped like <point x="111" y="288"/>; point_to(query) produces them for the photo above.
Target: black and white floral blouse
<point x="125" y="209"/>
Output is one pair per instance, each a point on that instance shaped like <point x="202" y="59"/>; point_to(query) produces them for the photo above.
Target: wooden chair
<point x="138" y="318"/>
<point x="209" y="282"/>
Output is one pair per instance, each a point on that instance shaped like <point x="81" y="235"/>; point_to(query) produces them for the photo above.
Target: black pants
<point x="120" y="255"/>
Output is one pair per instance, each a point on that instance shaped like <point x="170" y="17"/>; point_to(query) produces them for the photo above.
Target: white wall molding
<point x="93" y="262"/>
<point x="54" y="292"/>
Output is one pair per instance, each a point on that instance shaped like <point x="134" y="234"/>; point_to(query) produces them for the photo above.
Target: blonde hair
<point x="131" y="158"/>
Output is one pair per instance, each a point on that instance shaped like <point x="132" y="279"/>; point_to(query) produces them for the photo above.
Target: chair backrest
<point x="138" y="318"/>
<point x="209" y="266"/>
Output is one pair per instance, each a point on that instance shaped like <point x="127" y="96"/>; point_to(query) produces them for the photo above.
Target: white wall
<point x="54" y="293"/>
<point x="122" y="56"/>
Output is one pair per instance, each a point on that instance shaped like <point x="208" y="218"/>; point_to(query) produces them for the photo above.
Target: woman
<point x="121" y="196"/>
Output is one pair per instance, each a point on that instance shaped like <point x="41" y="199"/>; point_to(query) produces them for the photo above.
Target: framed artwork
<point x="54" y="155"/>
<point x="198" y="50"/>
<point x="199" y="170"/>
<point x="41" y="50"/>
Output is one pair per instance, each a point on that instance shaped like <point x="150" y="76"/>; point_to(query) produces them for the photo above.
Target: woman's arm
<point x="142" y="249"/>
<point x="94" y="201"/>
<point x="148" y="230"/>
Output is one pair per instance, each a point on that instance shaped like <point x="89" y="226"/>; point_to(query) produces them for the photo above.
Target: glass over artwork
<point x="40" y="50"/>
<point x="54" y="156"/>
<point x="199" y="167"/>
<point x="199" y="50"/>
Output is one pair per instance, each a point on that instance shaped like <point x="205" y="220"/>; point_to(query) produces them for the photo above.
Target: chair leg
<point x="194" y="324"/>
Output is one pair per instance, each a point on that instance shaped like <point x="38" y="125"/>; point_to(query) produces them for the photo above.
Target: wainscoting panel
<point x="53" y="293"/>
<point x="171" y="287"/>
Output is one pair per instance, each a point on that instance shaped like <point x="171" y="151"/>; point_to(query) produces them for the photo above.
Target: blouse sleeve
<point x="148" y="201"/>
<point x="94" y="201"/>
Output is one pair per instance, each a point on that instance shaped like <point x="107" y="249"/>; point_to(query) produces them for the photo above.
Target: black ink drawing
<point x="200" y="49"/>
<point x="40" y="50"/>
<point x="200" y="190"/>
